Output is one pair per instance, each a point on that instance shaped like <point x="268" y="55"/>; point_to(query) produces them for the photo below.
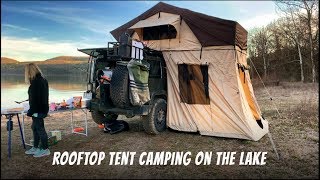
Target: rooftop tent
<point x="209" y="87"/>
<point x="210" y="31"/>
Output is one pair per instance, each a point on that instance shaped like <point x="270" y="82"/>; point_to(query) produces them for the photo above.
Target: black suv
<point x="112" y="99"/>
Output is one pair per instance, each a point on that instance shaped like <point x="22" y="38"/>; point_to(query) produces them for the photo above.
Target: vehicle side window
<point x="155" y="70"/>
<point x="194" y="84"/>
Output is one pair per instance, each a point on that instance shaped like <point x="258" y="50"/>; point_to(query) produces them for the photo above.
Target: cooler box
<point x="57" y="134"/>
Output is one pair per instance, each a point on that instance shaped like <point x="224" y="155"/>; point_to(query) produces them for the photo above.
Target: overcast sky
<point x="39" y="30"/>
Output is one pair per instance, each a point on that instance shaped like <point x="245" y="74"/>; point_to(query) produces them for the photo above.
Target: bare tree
<point x="261" y="41"/>
<point x="305" y="10"/>
<point x="309" y="7"/>
<point x="290" y="27"/>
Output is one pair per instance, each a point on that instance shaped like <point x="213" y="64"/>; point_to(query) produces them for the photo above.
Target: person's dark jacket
<point x="38" y="96"/>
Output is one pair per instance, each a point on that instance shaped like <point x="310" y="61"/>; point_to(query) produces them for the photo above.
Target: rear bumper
<point x="131" y="111"/>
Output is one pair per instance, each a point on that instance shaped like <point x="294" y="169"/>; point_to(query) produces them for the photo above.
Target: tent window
<point x="194" y="84"/>
<point x="159" y="32"/>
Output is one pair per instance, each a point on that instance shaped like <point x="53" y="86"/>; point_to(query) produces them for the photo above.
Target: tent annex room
<point x="209" y="86"/>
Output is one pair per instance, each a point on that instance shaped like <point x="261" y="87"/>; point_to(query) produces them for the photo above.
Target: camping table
<point x="9" y="114"/>
<point x="83" y="109"/>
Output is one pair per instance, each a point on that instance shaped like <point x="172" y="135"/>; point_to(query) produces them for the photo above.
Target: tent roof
<point x="210" y="31"/>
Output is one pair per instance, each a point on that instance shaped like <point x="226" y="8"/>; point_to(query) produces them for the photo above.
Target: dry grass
<point x="295" y="134"/>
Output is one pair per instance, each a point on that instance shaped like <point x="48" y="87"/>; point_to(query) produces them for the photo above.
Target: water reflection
<point x="13" y="88"/>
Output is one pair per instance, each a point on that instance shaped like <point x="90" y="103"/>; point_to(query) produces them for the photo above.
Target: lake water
<point x="61" y="88"/>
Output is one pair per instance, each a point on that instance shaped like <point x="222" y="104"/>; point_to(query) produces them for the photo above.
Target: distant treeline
<point x="288" y="48"/>
<point x="49" y="69"/>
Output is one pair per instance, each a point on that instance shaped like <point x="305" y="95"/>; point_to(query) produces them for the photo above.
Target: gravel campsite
<point x="295" y="134"/>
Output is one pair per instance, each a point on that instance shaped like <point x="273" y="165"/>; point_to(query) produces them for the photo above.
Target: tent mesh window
<point x="159" y="32"/>
<point x="193" y="84"/>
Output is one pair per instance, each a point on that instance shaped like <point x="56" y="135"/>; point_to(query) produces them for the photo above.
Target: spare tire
<point x="119" y="85"/>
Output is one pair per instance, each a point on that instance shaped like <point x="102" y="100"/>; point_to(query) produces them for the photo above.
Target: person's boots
<point x="126" y="125"/>
<point x="108" y="124"/>
<point x="116" y="128"/>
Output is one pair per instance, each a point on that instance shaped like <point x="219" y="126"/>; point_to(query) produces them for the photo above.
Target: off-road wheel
<point x="119" y="87"/>
<point x="156" y="121"/>
<point x="100" y="118"/>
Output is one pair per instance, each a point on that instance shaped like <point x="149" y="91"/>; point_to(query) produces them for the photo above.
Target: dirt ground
<point x="295" y="134"/>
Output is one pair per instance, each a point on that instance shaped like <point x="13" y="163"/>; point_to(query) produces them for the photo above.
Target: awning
<point x="151" y="22"/>
<point x="95" y="52"/>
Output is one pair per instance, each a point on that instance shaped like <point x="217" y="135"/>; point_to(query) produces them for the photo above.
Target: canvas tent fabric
<point x="208" y="59"/>
<point x="229" y="113"/>
<point x="157" y="21"/>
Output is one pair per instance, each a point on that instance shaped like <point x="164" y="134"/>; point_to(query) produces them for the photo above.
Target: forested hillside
<point x="62" y="65"/>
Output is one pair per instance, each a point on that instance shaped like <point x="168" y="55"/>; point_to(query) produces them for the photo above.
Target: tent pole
<point x="265" y="88"/>
<point x="269" y="134"/>
<point x="273" y="146"/>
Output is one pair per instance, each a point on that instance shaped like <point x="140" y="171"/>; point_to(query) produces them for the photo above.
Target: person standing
<point x="39" y="107"/>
